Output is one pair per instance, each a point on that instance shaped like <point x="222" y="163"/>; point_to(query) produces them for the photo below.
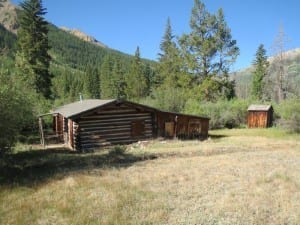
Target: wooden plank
<point x="70" y="133"/>
<point x="108" y="143"/>
<point x="105" y="116"/>
<point x="119" y="138"/>
<point x="169" y="129"/>
<point x="107" y="127"/>
<point x="99" y="127"/>
<point x="116" y="111"/>
<point x="101" y="123"/>
<point x="81" y="122"/>
<point x="41" y="129"/>
<point x="108" y="135"/>
<point x="116" y="123"/>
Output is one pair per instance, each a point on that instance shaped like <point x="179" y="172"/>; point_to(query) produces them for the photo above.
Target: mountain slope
<point x="62" y="40"/>
<point x="69" y="47"/>
<point x="243" y="78"/>
<point x="84" y="36"/>
<point x="76" y="53"/>
<point x="8" y="18"/>
<point x="8" y="15"/>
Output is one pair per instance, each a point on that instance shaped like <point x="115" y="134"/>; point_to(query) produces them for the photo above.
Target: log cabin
<point x="93" y="124"/>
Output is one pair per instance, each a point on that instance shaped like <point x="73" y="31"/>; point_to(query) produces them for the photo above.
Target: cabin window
<point x="194" y="128"/>
<point x="137" y="128"/>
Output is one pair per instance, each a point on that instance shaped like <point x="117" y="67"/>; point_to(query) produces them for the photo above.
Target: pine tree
<point x="136" y="84"/>
<point x="167" y="42"/>
<point x="169" y="67"/>
<point x="92" y="83"/>
<point x="227" y="50"/>
<point x="151" y="78"/>
<point x="106" y="78"/>
<point x="173" y="82"/>
<point x="118" y="80"/>
<point x="209" y="48"/>
<point x="32" y="58"/>
<point x="260" y="65"/>
<point x="199" y="46"/>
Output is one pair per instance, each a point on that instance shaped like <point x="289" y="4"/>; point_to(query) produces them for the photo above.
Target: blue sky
<point x="126" y="24"/>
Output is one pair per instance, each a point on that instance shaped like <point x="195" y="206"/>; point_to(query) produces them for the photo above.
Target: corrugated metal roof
<point x="259" y="107"/>
<point x="76" y="108"/>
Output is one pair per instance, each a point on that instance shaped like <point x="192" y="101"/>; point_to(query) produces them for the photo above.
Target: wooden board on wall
<point x="169" y="129"/>
<point x="257" y="119"/>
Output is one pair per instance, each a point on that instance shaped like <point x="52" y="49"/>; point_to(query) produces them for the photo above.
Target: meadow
<point x="236" y="176"/>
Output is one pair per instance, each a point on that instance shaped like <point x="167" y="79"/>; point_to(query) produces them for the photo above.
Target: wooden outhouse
<point x="260" y="116"/>
<point x="92" y="124"/>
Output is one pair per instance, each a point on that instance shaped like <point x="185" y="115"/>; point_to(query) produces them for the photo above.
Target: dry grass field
<point x="234" y="177"/>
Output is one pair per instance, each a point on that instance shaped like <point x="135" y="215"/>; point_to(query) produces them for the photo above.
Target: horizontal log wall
<point x="111" y="126"/>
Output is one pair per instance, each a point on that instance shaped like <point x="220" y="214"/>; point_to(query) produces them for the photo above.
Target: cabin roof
<point x="77" y="108"/>
<point x="259" y="107"/>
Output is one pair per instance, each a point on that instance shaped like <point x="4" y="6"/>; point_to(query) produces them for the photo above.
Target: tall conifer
<point x="209" y="48"/>
<point x="106" y="78"/>
<point x="135" y="80"/>
<point x="169" y="66"/>
<point x="261" y="65"/>
<point x="92" y="83"/>
<point x="32" y="58"/>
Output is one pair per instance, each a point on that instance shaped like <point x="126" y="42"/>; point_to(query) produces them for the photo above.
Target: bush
<point x="222" y="114"/>
<point x="289" y="115"/>
<point x="169" y="99"/>
<point x="15" y="112"/>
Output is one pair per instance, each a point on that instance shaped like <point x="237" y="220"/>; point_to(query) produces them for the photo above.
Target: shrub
<point x="169" y="99"/>
<point x="222" y="114"/>
<point x="16" y="112"/>
<point x="289" y="115"/>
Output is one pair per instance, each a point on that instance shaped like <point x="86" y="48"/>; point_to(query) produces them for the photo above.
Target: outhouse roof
<point x="259" y="107"/>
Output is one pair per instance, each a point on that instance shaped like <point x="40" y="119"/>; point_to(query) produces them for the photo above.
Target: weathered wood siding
<point x="172" y="125"/>
<point x="58" y="124"/>
<point x="259" y="119"/>
<point x="113" y="125"/>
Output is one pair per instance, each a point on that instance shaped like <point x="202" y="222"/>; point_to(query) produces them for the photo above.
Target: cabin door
<point x="169" y="129"/>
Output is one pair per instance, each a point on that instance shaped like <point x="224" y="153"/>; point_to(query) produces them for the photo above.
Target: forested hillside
<point x="75" y="61"/>
<point x="71" y="58"/>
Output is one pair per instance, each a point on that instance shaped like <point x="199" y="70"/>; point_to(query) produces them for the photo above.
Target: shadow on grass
<point x="37" y="166"/>
<point x="217" y="136"/>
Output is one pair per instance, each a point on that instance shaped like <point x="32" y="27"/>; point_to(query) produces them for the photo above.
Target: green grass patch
<point x="272" y="132"/>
